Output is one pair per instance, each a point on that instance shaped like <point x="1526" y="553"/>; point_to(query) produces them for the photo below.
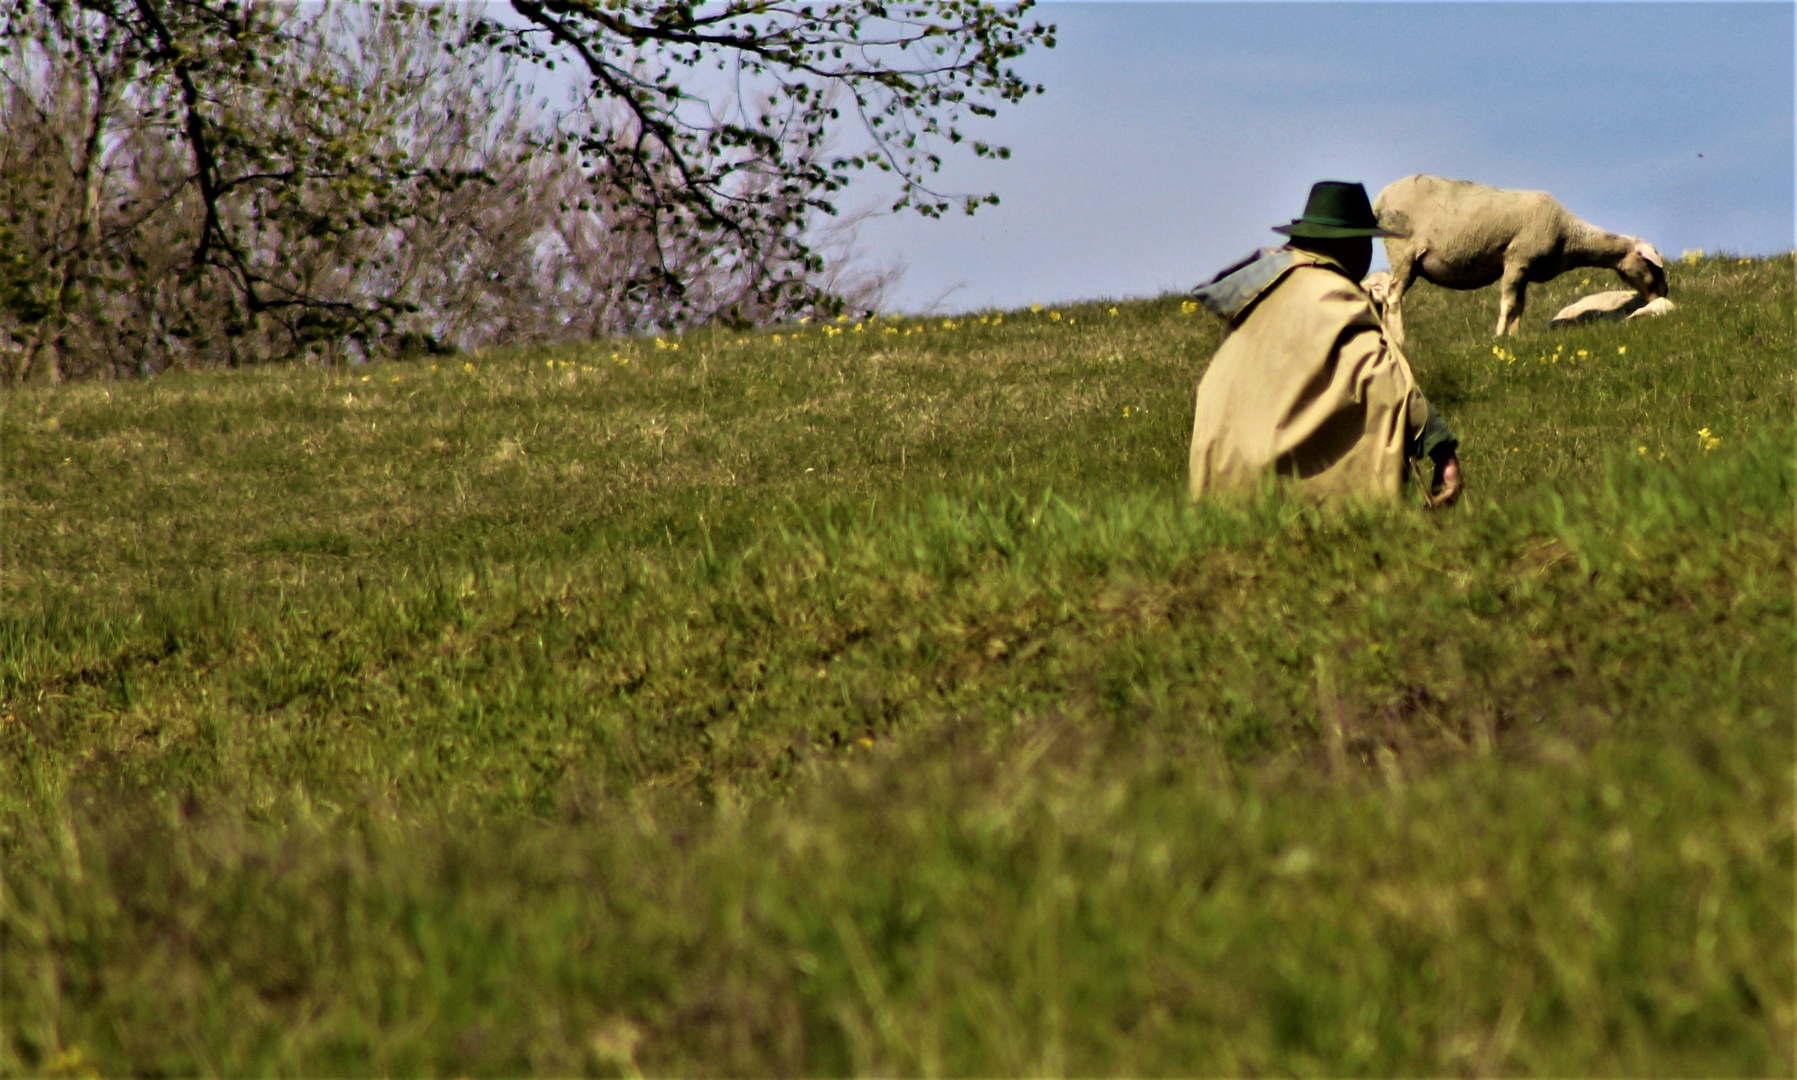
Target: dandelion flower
<point x="1113" y="311"/>
<point x="1054" y="316"/>
<point x="1620" y="349"/>
<point x="1188" y="306"/>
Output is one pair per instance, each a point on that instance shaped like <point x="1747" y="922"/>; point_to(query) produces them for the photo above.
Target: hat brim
<point x="1318" y="231"/>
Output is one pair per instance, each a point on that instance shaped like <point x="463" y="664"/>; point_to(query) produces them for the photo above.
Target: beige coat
<point x="1306" y="386"/>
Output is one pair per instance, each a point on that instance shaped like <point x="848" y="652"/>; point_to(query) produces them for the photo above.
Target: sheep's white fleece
<point x="1462" y="235"/>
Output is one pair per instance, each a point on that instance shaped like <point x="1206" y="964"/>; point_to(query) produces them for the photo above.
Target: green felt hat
<point x="1336" y="209"/>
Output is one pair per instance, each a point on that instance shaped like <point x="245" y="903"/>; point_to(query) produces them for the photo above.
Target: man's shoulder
<point x="1321" y="281"/>
<point x="1282" y="279"/>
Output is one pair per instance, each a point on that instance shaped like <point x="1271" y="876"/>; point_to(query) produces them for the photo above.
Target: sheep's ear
<point x="1650" y="253"/>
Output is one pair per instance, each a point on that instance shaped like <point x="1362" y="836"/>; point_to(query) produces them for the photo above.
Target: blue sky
<point x="1174" y="134"/>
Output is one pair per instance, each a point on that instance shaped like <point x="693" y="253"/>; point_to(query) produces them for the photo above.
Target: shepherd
<point x="1307" y="387"/>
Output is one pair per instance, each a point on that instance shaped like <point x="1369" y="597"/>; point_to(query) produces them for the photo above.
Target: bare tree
<point x="203" y="182"/>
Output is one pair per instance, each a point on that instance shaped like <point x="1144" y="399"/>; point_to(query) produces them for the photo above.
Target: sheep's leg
<point x="1513" y="293"/>
<point x="1403" y="273"/>
<point x="1394" y="314"/>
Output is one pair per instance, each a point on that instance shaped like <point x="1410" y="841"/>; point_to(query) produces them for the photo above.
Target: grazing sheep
<point x="1610" y="307"/>
<point x="1465" y="236"/>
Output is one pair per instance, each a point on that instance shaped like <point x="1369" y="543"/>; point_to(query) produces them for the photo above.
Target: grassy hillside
<point x="866" y="698"/>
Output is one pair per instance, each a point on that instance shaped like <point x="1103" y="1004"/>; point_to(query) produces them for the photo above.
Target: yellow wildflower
<point x="1691" y="255"/>
<point x="1642" y="449"/>
<point x="1113" y="311"/>
<point x="998" y="320"/>
<point x="1126" y="411"/>
<point x="1708" y="441"/>
<point x="1054" y="316"/>
<point x="1188" y="307"/>
<point x="1037" y="308"/>
<point x="1620" y="349"/>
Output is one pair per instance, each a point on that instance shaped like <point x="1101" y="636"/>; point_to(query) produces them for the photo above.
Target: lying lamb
<point x="1465" y="236"/>
<point x="1610" y="307"/>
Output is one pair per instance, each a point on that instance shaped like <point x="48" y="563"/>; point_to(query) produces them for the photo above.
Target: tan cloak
<point x="1306" y="386"/>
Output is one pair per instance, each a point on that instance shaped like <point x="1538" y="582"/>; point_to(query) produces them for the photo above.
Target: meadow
<point x="866" y="697"/>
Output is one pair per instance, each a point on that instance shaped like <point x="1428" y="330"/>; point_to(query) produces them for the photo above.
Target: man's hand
<point x="1447" y="483"/>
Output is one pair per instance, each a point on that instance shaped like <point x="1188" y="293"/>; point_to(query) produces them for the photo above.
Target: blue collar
<point x="1238" y="285"/>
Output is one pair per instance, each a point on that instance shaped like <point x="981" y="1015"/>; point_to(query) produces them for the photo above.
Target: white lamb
<point x="1610" y="307"/>
<point x="1465" y="236"/>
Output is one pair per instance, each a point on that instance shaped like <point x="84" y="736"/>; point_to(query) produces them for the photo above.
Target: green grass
<point x="870" y="700"/>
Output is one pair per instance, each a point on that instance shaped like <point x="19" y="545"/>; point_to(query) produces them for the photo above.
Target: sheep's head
<point x="1645" y="269"/>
